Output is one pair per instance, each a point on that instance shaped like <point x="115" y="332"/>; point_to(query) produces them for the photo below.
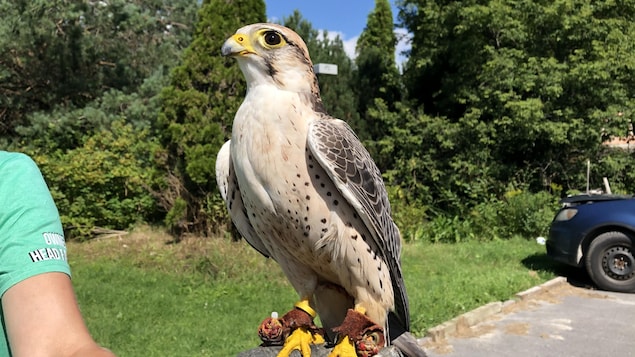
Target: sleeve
<point x="31" y="234"/>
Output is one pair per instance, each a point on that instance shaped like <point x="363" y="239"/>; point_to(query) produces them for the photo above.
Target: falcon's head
<point x="273" y="54"/>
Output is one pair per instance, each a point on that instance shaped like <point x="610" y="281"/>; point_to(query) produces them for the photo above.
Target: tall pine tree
<point x="377" y="76"/>
<point x="198" y="110"/>
<point x="61" y="55"/>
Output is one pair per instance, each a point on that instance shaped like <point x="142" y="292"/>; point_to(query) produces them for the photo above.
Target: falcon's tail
<point x="402" y="339"/>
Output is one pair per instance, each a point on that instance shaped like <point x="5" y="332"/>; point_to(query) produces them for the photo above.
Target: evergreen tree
<point x="378" y="78"/>
<point x="198" y="110"/>
<point x="67" y="53"/>
<point x="377" y="73"/>
<point x="79" y="84"/>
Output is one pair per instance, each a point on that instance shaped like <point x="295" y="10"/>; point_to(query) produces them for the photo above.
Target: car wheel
<point x="610" y="262"/>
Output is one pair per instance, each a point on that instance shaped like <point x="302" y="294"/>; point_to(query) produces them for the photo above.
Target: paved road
<point x="561" y="321"/>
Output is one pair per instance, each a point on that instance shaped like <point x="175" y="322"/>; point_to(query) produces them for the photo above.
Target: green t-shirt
<point x="31" y="235"/>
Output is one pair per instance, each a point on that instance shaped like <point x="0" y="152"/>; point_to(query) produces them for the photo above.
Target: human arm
<point x="41" y="316"/>
<point x="43" y="319"/>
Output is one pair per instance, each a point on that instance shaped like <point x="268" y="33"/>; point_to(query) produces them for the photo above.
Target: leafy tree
<point x="431" y="160"/>
<point x="530" y="85"/>
<point x="197" y="111"/>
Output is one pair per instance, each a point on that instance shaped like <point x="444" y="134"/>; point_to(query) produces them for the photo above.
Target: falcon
<point x="301" y="189"/>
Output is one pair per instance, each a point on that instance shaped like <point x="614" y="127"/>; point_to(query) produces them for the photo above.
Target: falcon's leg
<point x="333" y="302"/>
<point x="298" y="330"/>
<point x="359" y="336"/>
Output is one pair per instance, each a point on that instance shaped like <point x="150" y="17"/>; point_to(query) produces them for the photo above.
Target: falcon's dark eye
<point x="272" y="38"/>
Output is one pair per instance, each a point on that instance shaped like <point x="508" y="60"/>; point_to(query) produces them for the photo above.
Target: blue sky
<point x="346" y="18"/>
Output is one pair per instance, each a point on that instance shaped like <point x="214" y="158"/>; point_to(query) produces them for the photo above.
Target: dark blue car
<point x="597" y="232"/>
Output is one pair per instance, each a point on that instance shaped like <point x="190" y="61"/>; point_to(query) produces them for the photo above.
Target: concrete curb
<point x="481" y="314"/>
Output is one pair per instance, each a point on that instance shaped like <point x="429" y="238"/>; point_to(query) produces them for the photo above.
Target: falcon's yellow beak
<point x="237" y="45"/>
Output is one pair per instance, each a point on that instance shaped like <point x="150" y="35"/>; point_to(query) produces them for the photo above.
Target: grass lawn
<point x="142" y="295"/>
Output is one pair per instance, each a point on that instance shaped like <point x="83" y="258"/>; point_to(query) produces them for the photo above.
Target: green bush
<point x="408" y="216"/>
<point x="518" y="213"/>
<point x="527" y="214"/>
<point x="104" y="183"/>
<point x="448" y="229"/>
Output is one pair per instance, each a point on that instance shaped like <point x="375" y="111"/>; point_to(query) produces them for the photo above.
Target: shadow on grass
<point x="575" y="276"/>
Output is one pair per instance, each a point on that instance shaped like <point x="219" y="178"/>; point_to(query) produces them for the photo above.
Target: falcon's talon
<point x="300" y="339"/>
<point x="366" y="336"/>
<point x="370" y="343"/>
<point x="344" y="348"/>
<point x="295" y="330"/>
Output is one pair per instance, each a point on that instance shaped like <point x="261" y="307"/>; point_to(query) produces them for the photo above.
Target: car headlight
<point x="566" y="214"/>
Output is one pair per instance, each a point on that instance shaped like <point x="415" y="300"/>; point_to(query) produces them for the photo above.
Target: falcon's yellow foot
<point x="344" y="348"/>
<point x="297" y="329"/>
<point x="359" y="336"/>
<point x="301" y="339"/>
